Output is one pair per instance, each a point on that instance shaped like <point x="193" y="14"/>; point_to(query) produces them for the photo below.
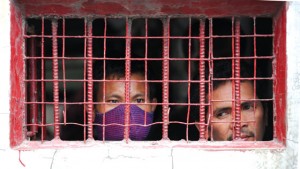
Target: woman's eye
<point x="140" y="100"/>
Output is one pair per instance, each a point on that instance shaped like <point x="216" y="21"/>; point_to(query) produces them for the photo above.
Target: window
<point x="66" y="61"/>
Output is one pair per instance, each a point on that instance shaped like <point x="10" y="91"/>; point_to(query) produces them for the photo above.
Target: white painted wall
<point x="146" y="155"/>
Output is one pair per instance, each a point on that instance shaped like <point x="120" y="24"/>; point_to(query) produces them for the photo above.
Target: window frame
<point x="22" y="9"/>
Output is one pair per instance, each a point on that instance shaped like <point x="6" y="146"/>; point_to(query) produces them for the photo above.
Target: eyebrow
<point x="139" y="95"/>
<point x="113" y="96"/>
<point x="247" y="102"/>
<point x="226" y="108"/>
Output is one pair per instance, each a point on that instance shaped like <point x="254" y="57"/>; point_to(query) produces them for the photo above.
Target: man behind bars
<point x="220" y="119"/>
<point x="109" y="103"/>
<point x="111" y="100"/>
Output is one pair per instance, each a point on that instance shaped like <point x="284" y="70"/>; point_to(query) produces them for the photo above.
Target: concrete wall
<point x="166" y="155"/>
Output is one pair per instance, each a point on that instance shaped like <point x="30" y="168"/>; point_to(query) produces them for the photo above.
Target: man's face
<point x="114" y="93"/>
<point x="252" y="113"/>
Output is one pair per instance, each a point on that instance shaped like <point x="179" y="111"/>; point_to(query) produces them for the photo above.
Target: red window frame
<point x="21" y="9"/>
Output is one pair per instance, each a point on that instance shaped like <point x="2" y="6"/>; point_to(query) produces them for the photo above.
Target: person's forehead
<point x="133" y="76"/>
<point x="116" y="84"/>
<point x="225" y="90"/>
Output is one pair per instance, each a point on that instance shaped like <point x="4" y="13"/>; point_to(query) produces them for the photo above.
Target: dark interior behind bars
<point x="147" y="36"/>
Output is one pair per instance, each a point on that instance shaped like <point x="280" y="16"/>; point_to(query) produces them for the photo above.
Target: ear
<point x="153" y="106"/>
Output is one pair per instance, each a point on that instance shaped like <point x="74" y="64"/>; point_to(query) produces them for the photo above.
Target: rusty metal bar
<point x="85" y="84"/>
<point x="189" y="79"/>
<point x="55" y="79"/>
<point x="210" y="81"/>
<point x="90" y="78"/>
<point x="33" y="90"/>
<point x="202" y="93"/>
<point x="255" y="64"/>
<point x="104" y="75"/>
<point x="127" y="79"/>
<point x="165" y="73"/>
<point x="237" y="97"/>
<point x="146" y="68"/>
<point x="44" y="131"/>
<point x="64" y="68"/>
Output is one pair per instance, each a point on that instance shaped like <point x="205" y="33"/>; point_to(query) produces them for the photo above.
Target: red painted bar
<point x="127" y="78"/>
<point x="146" y="66"/>
<point x="210" y="75"/>
<point x="43" y="94"/>
<point x="33" y="91"/>
<point x="90" y="78"/>
<point x="165" y="76"/>
<point x="55" y="79"/>
<point x="64" y="68"/>
<point x="202" y="92"/>
<point x="237" y="90"/>
<point x="189" y="81"/>
<point x="104" y="74"/>
<point x="255" y="65"/>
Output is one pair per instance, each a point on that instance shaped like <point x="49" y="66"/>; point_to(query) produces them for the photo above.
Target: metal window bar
<point x="88" y="69"/>
<point x="202" y="81"/>
<point x="104" y="74"/>
<point x="255" y="63"/>
<point x="127" y="78"/>
<point x="146" y="67"/>
<point x="165" y="71"/>
<point x="44" y="131"/>
<point x="236" y="75"/>
<point x="88" y="25"/>
<point x="55" y="79"/>
<point x="33" y="90"/>
<point x="189" y="77"/>
<point x="210" y="75"/>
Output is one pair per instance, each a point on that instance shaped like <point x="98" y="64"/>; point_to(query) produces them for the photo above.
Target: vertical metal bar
<point x="90" y="79"/>
<point x="255" y="63"/>
<point x="84" y="82"/>
<point x="104" y="74"/>
<point x="202" y="81"/>
<point x="44" y="134"/>
<point x="33" y="89"/>
<point x="189" y="78"/>
<point x="165" y="73"/>
<point x="64" y="69"/>
<point x="127" y="78"/>
<point x="55" y="79"/>
<point x="210" y="81"/>
<point x="237" y="100"/>
<point x="146" y="68"/>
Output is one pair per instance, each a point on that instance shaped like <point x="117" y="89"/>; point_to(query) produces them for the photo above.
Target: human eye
<point x="140" y="100"/>
<point x="248" y="106"/>
<point x="112" y="101"/>
<point x="223" y="113"/>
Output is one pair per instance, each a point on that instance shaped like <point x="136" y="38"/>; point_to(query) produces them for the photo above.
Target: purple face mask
<point x="117" y="116"/>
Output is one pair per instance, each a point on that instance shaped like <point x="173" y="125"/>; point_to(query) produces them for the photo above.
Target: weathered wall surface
<point x="166" y="155"/>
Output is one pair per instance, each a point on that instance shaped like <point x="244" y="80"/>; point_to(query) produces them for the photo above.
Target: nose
<point x="247" y="117"/>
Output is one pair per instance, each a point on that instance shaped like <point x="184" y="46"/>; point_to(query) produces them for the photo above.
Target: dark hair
<point x="117" y="68"/>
